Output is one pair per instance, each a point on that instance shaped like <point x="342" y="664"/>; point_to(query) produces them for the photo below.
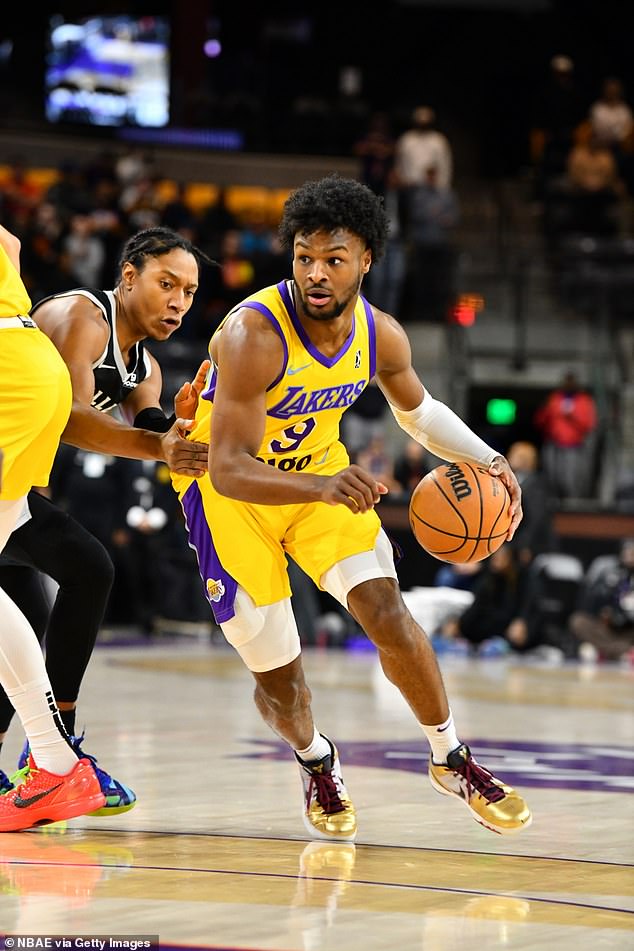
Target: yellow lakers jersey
<point x="14" y="299"/>
<point x="306" y="401"/>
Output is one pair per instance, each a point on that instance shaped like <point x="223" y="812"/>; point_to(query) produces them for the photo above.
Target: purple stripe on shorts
<point x="371" y="336"/>
<point x="220" y="587"/>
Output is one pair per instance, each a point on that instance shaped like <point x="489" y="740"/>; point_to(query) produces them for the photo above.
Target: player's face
<point x="328" y="267"/>
<point x="162" y="293"/>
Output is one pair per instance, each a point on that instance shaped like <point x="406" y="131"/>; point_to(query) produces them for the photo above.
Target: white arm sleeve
<point x="439" y="430"/>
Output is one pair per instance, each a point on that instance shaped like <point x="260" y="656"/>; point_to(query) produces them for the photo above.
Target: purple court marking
<point x="580" y="766"/>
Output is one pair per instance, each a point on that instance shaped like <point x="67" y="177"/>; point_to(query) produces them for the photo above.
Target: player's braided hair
<point x="335" y="202"/>
<point x="152" y="243"/>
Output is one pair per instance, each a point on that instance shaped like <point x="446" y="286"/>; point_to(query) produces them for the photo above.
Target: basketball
<point x="459" y="513"/>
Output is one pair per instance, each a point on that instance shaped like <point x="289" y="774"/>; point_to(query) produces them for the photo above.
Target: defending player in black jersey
<point x="100" y="336"/>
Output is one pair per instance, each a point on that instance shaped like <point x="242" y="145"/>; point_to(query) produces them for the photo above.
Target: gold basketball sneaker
<point x="328" y="812"/>
<point x="490" y="802"/>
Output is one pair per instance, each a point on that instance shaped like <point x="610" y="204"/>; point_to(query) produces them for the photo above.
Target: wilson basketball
<point x="459" y="513"/>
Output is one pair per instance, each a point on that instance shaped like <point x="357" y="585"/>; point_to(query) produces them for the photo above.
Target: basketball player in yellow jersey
<point x="35" y="403"/>
<point x="287" y="363"/>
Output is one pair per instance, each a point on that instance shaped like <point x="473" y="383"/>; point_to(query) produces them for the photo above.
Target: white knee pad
<point x="348" y="573"/>
<point x="265" y="637"/>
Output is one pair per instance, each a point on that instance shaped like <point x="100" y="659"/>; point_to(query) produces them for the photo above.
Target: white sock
<point x="318" y="748"/>
<point x="42" y="724"/>
<point x="442" y="739"/>
<point x="23" y="676"/>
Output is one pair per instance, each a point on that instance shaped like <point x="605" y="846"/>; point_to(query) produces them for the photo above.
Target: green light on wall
<point x="501" y="412"/>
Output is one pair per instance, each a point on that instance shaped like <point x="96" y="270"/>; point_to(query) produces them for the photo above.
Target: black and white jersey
<point x="114" y="380"/>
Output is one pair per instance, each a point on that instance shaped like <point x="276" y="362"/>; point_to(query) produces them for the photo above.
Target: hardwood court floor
<point x="215" y="855"/>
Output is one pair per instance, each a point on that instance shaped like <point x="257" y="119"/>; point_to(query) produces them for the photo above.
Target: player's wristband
<point x="441" y="432"/>
<point x="154" y="419"/>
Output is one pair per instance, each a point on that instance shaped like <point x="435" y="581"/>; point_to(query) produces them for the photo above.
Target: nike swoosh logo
<point x="441" y="729"/>
<point x="293" y="370"/>
<point x="21" y="803"/>
<point x="106" y="366"/>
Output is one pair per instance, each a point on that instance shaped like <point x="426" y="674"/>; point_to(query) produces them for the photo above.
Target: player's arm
<point x="11" y="244"/>
<point x="249" y="355"/>
<point x="429" y="421"/>
<point x="80" y="334"/>
<point x="144" y="411"/>
<point x="144" y="403"/>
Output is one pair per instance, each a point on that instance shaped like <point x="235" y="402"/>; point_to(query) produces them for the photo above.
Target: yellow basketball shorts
<point x="238" y="543"/>
<point x="35" y="403"/>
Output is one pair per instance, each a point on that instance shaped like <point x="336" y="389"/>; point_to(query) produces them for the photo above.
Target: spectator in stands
<point x="501" y="611"/>
<point x="611" y="119"/>
<point x="383" y="286"/>
<point x="132" y="164"/>
<point x="259" y="243"/>
<point x="558" y="110"/>
<point x="20" y="195"/>
<point x="430" y="213"/>
<point x="594" y="187"/>
<point x="365" y="420"/>
<point x="177" y="214"/>
<point x="69" y="193"/>
<point x="233" y="281"/>
<point x="412" y="464"/>
<point x="43" y="263"/>
<point x="535" y="533"/>
<point x="146" y="571"/>
<point x="460" y="576"/>
<point x="142" y="203"/>
<point x="376" y="459"/>
<point x="84" y="252"/>
<point x="214" y="222"/>
<point x="421" y="147"/>
<point x="604" y="624"/>
<point x="375" y="151"/>
<point x="568" y="422"/>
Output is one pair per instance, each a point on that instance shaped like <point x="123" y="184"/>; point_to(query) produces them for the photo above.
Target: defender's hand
<point x="186" y="400"/>
<point x="355" y="488"/>
<point x="182" y="456"/>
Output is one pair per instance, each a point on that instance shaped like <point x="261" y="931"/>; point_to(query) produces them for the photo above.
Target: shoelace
<point x="327" y="792"/>
<point x="479" y="779"/>
<point x="29" y="774"/>
<point x="20" y="776"/>
<point x="103" y="777"/>
<point x="76" y="741"/>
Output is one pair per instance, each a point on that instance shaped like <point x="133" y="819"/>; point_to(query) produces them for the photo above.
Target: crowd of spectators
<point x="582" y="153"/>
<point x="72" y="230"/>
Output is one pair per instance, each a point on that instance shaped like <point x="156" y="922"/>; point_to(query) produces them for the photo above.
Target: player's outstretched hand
<point x="354" y="488"/>
<point x="186" y="400"/>
<point x="181" y="455"/>
<point x="500" y="467"/>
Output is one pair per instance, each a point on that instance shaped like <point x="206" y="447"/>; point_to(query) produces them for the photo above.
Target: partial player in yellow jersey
<point x="287" y="363"/>
<point x="35" y="404"/>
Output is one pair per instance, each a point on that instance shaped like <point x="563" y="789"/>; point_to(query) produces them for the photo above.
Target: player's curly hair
<point x="335" y="202"/>
<point x="152" y="243"/>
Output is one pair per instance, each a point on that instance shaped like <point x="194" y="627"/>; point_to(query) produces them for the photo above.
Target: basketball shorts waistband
<point x="18" y="321"/>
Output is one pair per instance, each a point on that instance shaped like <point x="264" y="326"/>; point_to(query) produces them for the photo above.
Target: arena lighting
<point x="501" y="411"/>
<point x="465" y="309"/>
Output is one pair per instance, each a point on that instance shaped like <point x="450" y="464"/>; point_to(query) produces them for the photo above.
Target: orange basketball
<point x="460" y="513"/>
